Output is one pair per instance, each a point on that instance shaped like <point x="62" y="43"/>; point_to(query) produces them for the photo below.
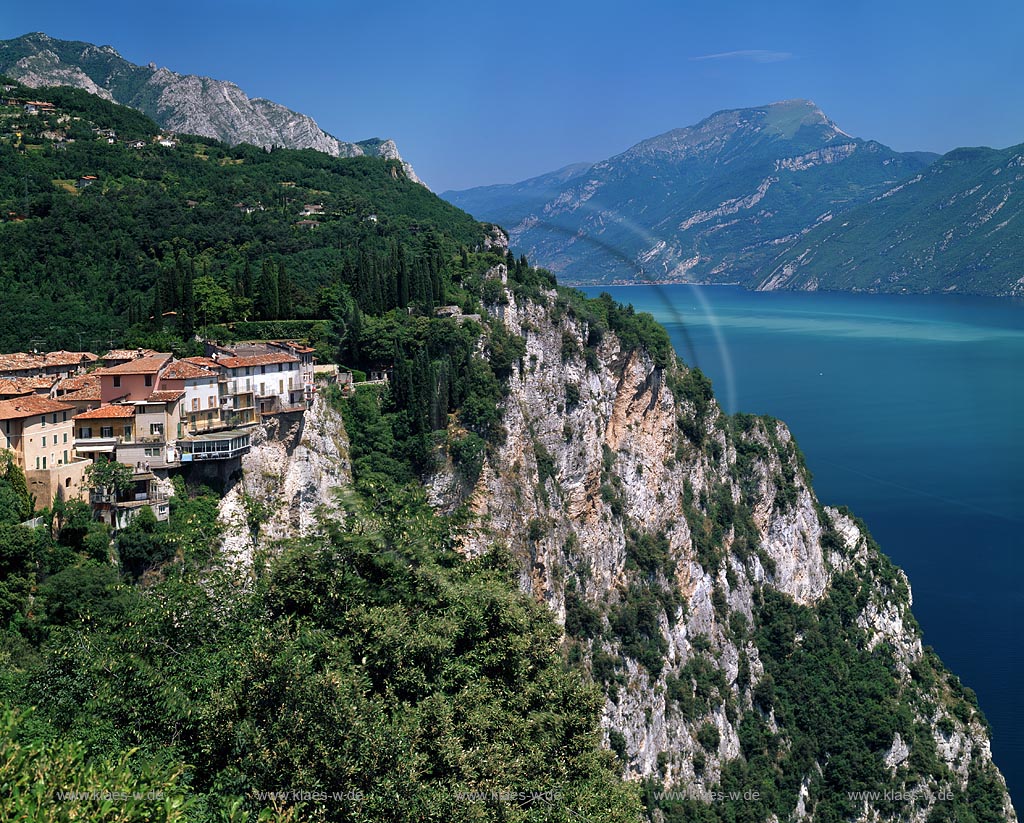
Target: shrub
<point x="709" y="737"/>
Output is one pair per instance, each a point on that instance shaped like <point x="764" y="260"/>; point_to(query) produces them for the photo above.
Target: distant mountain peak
<point x="711" y="202"/>
<point x="184" y="103"/>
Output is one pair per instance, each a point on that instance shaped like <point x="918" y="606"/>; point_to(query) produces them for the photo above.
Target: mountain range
<point x="182" y="103"/>
<point x="776" y="196"/>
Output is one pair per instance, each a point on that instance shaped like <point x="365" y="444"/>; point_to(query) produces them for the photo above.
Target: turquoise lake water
<point x="910" y="410"/>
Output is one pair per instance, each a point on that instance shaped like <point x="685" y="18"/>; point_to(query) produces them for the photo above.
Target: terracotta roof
<point x="106" y="413"/>
<point x="182" y="370"/>
<point x="205" y="362"/>
<point x="25" y="385"/>
<point x="126" y="354"/>
<point x="30" y="405"/>
<point x="141" y="365"/>
<point x="89" y="394"/>
<point x="69" y="358"/>
<point x="167" y="396"/>
<point x="22" y="360"/>
<point x="16" y="361"/>
<point x="82" y="381"/>
<point x="257" y="360"/>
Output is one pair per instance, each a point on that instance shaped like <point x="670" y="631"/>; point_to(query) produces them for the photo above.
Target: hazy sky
<point x="478" y="93"/>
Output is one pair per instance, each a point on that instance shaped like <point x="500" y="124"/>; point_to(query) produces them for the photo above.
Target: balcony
<point x="214" y="446"/>
<point x="104" y="445"/>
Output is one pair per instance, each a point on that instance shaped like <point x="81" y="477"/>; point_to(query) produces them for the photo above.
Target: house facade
<point x="40" y="433"/>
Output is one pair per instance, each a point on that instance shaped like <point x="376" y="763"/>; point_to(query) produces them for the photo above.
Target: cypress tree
<point x="187" y="313"/>
<point x="268" y="305"/>
<point x="284" y="290"/>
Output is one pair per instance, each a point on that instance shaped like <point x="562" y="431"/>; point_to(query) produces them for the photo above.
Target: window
<point x="195" y="404"/>
<point x="211" y="401"/>
<point x="54" y="420"/>
<point x="64" y="417"/>
<point x="156" y="428"/>
<point x="66" y="460"/>
<point x="44" y="441"/>
<point x="85" y="432"/>
<point x="44" y="462"/>
<point x="117" y="381"/>
<point x="127" y="432"/>
<point x="67" y="482"/>
<point x="37" y="463"/>
<point x="149" y="380"/>
<point x="42" y="421"/>
<point x="65" y="437"/>
<point x="106" y="431"/>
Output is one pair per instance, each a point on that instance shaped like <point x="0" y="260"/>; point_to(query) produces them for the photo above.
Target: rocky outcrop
<point x="607" y="451"/>
<point x="288" y="480"/>
<point x="183" y="103"/>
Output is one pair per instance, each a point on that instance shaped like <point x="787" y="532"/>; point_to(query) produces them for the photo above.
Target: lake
<point x="910" y="410"/>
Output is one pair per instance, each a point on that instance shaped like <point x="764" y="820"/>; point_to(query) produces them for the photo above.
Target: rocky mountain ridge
<point x="713" y="202"/>
<point x="182" y="103"/>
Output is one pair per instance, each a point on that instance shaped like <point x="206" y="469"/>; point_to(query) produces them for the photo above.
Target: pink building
<point x="135" y="380"/>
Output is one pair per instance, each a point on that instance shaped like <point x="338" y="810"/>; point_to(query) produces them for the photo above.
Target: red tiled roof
<point x="166" y="396"/>
<point x="256" y="360"/>
<point x="16" y="361"/>
<point x="30" y="405"/>
<point x="106" y="413"/>
<point x="142" y="365"/>
<point x="127" y="354"/>
<point x="82" y="381"/>
<point x="205" y="362"/>
<point x="182" y="370"/>
<point x="89" y="394"/>
<point x="69" y="358"/>
<point x="25" y="385"/>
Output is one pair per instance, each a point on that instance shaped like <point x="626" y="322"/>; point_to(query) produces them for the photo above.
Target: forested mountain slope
<point x="957" y="226"/>
<point x="88" y="259"/>
<point x="182" y="103"/>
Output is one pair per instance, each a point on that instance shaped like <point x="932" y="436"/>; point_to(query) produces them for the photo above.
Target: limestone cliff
<point x="681" y="549"/>
<point x="617" y="478"/>
<point x="287" y="481"/>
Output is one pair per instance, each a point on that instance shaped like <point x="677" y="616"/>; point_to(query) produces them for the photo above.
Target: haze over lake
<point x="910" y="410"/>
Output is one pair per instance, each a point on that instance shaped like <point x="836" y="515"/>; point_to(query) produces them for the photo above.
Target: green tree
<point x="15" y="500"/>
<point x="213" y="302"/>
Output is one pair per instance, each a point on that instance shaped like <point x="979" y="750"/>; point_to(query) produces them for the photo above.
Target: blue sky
<point x="478" y="93"/>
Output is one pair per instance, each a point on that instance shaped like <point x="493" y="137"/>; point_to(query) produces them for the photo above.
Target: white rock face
<point x="613" y="443"/>
<point x="288" y="480"/>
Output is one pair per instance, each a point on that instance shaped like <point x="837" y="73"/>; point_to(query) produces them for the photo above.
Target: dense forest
<point x="198" y="229"/>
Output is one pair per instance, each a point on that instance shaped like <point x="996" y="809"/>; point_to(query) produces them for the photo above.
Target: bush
<point x="708" y="737"/>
